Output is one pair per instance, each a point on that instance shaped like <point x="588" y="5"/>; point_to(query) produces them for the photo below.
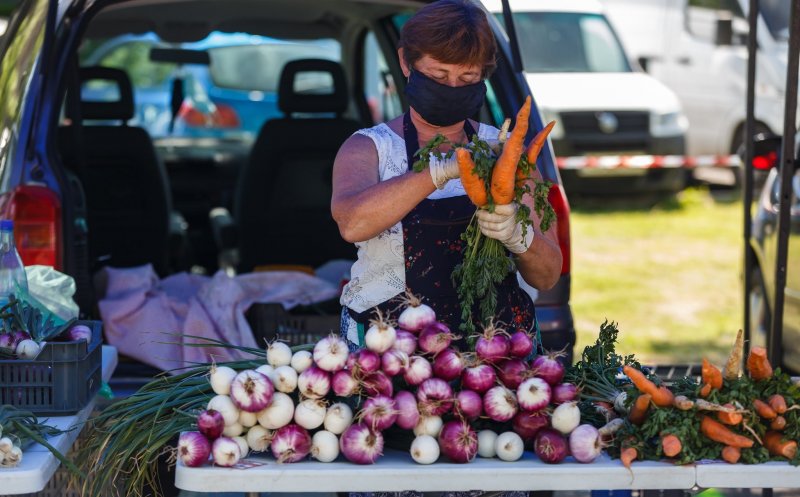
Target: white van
<point x="698" y="48"/>
<point x="604" y="104"/>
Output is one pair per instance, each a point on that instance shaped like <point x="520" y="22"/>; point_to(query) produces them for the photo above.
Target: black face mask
<point x="443" y="105"/>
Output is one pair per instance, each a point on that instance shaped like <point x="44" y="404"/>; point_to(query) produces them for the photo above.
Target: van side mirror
<point x="724" y="33"/>
<point x="644" y="61"/>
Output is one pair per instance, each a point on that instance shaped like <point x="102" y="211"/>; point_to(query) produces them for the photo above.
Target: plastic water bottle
<point x="12" y="272"/>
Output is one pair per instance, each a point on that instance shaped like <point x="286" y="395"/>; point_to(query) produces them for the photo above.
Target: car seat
<point x="126" y="186"/>
<point x="282" y="207"/>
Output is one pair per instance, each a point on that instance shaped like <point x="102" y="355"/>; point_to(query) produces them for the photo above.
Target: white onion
<point x="220" y="378"/>
<point x="279" y="354"/>
<point x="416" y="315"/>
<point x="248" y="419"/>
<point x="508" y="446"/>
<point x="233" y="430"/>
<point x="584" y="443"/>
<point x="301" y="360"/>
<point x="486" y="441"/>
<point x="429" y="425"/>
<point x="285" y="379"/>
<point x="310" y="413"/>
<point x="6" y="444"/>
<point x="226" y="451"/>
<point x="425" y="449"/>
<point x="380" y="336"/>
<point x="259" y="438"/>
<point x="338" y="418"/>
<point x="266" y="370"/>
<point x="225" y="406"/>
<point x="566" y="417"/>
<point x="28" y="349"/>
<point x="330" y="353"/>
<point x="324" y="446"/>
<point x="278" y="414"/>
<point x="244" y="449"/>
<point x="533" y="394"/>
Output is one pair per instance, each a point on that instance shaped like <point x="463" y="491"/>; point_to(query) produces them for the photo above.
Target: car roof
<point x="590" y="6"/>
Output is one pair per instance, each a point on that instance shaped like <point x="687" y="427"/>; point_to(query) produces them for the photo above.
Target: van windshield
<point x="776" y="16"/>
<point x="568" y="42"/>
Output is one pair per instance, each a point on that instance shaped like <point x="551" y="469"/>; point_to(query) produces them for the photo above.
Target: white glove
<point x="443" y="170"/>
<point x="502" y="225"/>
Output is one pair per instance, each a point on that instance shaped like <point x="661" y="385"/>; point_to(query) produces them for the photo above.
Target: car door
<point x="791" y="313"/>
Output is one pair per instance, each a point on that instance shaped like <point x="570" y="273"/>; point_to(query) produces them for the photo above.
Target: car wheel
<point x="760" y="317"/>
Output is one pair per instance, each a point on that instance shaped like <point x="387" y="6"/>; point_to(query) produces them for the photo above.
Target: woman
<point x="407" y="225"/>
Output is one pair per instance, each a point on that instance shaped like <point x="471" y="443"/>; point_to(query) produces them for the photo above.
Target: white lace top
<point x="379" y="272"/>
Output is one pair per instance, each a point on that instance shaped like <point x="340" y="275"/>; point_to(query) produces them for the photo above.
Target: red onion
<point x="7" y="341"/>
<point x="550" y="446"/>
<point x="434" y="338"/>
<point x="343" y="383"/>
<point x="314" y="383"/>
<point x="419" y="369"/>
<point x="493" y="345"/>
<point x="361" y="445"/>
<point x="564" y="392"/>
<point x="405" y="341"/>
<point x="533" y="394"/>
<point x="468" y="404"/>
<point x="416" y="315"/>
<point x="407" y="411"/>
<point x="549" y="368"/>
<point x="79" y="332"/>
<point x="331" y="353"/>
<point x="458" y="441"/>
<point x="193" y="449"/>
<point x="528" y="423"/>
<point x="211" y="423"/>
<point x="512" y="372"/>
<point x="448" y="364"/>
<point x="291" y="443"/>
<point x="521" y="344"/>
<point x="19" y="336"/>
<point x="226" y="451"/>
<point x="584" y="443"/>
<point x="378" y="412"/>
<point x="394" y="362"/>
<point x="251" y="391"/>
<point x="435" y="397"/>
<point x="479" y="378"/>
<point x="364" y="361"/>
<point x="500" y="404"/>
<point x="377" y="383"/>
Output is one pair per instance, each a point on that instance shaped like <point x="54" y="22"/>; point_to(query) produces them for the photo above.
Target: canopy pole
<point x="786" y="173"/>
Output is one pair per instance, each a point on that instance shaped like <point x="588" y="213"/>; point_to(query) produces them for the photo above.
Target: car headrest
<point x="121" y="109"/>
<point x="293" y="99"/>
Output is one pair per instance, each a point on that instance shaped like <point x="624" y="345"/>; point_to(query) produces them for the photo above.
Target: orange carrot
<point x="705" y="390"/>
<point x="764" y="410"/>
<point x="729" y="418"/>
<point x="777" y="403"/>
<point x="638" y="411"/>
<point x="671" y="445"/>
<point x="504" y="172"/>
<point x="758" y="365"/>
<point x="662" y="397"/>
<point x="720" y="433"/>
<point x="711" y="375"/>
<point x="534" y="148"/>
<point x="773" y="441"/>
<point x="779" y="423"/>
<point x="473" y="184"/>
<point x="731" y="454"/>
<point x="628" y="455"/>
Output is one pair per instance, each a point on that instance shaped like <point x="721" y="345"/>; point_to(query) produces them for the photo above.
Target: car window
<point x="379" y="86"/>
<point x="134" y="58"/>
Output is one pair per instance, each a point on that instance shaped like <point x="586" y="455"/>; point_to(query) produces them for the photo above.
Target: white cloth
<point x="379" y="272"/>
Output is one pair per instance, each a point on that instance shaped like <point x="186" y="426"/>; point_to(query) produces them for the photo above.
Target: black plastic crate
<point x="62" y="379"/>
<point x="300" y="326"/>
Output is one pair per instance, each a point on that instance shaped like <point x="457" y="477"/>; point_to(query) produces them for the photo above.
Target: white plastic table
<point x="38" y="464"/>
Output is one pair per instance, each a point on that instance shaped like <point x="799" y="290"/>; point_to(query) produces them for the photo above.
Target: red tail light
<point x="558" y="199"/>
<point x="36" y="212"/>
<point x="223" y="116"/>
<point x="765" y="162"/>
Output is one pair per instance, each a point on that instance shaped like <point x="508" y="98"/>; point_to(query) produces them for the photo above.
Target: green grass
<point x="669" y="275"/>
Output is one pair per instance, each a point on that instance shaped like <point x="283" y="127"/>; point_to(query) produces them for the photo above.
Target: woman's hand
<point x="443" y="170"/>
<point x="502" y="225"/>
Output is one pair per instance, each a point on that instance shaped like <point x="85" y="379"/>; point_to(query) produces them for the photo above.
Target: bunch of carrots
<point x="489" y="180"/>
<point x="728" y="415"/>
